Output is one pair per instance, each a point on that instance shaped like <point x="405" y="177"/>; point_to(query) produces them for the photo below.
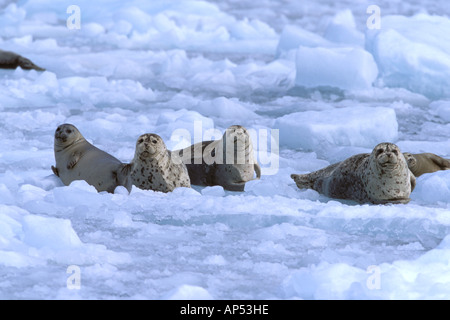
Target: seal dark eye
<point x="69" y="131"/>
<point x="395" y="152"/>
<point x="140" y="140"/>
<point x="154" y="141"/>
<point x="379" y="151"/>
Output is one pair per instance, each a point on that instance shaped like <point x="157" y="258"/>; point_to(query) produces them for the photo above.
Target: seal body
<point x="421" y="163"/>
<point x="11" y="60"/>
<point x="380" y="177"/>
<point x="77" y="159"/>
<point x="228" y="162"/>
<point x="153" y="168"/>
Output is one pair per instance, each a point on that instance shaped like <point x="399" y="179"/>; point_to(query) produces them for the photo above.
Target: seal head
<point x="388" y="178"/>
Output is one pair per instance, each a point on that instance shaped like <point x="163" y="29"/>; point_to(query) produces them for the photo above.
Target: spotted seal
<point x="228" y="162"/>
<point x="11" y="60"/>
<point x="77" y="159"/>
<point x="421" y="163"/>
<point x="153" y="168"/>
<point x="379" y="177"/>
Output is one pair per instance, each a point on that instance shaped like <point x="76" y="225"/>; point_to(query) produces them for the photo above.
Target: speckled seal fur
<point x="11" y="60"/>
<point x="77" y="159"/>
<point x="421" y="163"/>
<point x="228" y="162"/>
<point x="153" y="167"/>
<point x="380" y="177"/>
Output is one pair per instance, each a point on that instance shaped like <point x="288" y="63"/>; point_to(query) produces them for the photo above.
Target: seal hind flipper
<point x="442" y="163"/>
<point x="123" y="176"/>
<point x="11" y="60"/>
<point x="303" y="181"/>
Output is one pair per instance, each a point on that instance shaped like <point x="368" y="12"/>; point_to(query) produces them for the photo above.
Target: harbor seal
<point x="11" y="60"/>
<point x="421" y="163"/>
<point x="228" y="162"/>
<point x="77" y="159"/>
<point x="153" y="168"/>
<point x="379" y="177"/>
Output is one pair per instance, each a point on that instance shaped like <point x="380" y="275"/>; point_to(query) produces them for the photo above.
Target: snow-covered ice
<point x="412" y="52"/>
<point x="311" y="72"/>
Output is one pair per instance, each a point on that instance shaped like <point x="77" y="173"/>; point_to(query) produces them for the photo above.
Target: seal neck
<point x="59" y="147"/>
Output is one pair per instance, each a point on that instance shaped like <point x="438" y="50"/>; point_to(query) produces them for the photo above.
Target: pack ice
<point x="310" y="71"/>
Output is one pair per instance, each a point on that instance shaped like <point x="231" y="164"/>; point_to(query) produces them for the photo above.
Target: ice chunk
<point x="293" y="37"/>
<point x="11" y="16"/>
<point x="215" y="191"/>
<point x="433" y="188"/>
<point x="335" y="281"/>
<point x="271" y="187"/>
<point x="185" y="192"/>
<point x="413" y="53"/>
<point x="217" y="260"/>
<point x="182" y="128"/>
<point x="6" y="196"/>
<point x="224" y="108"/>
<point x="342" y="29"/>
<point x="441" y="108"/>
<point x="49" y="232"/>
<point x="346" y="68"/>
<point x="188" y="292"/>
<point x="351" y="126"/>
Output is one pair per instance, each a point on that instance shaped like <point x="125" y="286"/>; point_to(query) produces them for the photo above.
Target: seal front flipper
<point x="257" y="170"/>
<point x="76" y="156"/>
<point x="55" y="171"/>
<point x="412" y="180"/>
<point x="238" y="186"/>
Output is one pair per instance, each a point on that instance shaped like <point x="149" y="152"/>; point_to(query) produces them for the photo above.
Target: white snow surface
<point x="309" y="74"/>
